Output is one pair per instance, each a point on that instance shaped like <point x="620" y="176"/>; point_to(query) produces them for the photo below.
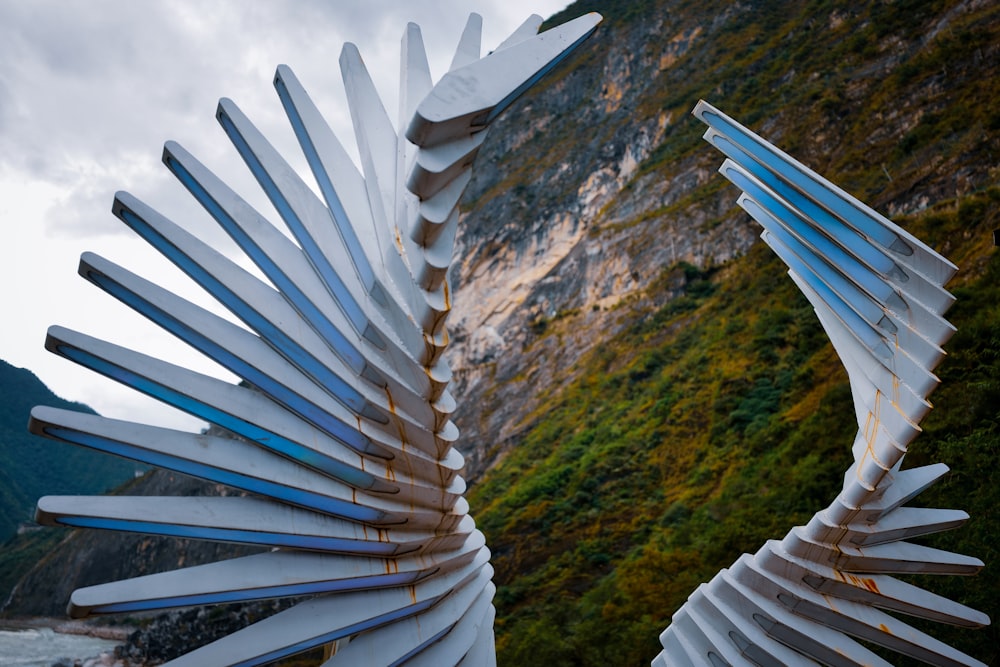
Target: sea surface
<point x="41" y="647"/>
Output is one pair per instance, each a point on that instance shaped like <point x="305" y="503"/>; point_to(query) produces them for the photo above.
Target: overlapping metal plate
<point x="878" y="292"/>
<point x="345" y="445"/>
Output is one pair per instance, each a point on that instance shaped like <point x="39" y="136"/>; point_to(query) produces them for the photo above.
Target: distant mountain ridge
<point x="30" y="466"/>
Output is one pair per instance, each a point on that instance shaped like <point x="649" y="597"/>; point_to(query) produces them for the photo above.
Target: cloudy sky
<point x="89" y="92"/>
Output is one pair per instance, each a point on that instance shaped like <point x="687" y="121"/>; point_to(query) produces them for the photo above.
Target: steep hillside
<point x="31" y="466"/>
<point x="591" y="186"/>
<point x="88" y="557"/>
<point x="644" y="393"/>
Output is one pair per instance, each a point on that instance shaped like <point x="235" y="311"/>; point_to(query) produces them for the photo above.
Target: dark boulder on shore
<point x="174" y="633"/>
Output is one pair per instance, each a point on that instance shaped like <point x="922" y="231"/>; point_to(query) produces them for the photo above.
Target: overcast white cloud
<point x="89" y="91"/>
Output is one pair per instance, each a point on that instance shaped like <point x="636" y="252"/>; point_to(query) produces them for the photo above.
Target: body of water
<point x="41" y="647"/>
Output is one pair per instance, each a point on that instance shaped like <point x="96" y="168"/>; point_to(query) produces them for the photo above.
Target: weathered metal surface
<point x="878" y="292"/>
<point x="345" y="432"/>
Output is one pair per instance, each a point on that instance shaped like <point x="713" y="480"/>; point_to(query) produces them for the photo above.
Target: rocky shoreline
<point x="107" y="657"/>
<point x="161" y="637"/>
<point x="69" y="627"/>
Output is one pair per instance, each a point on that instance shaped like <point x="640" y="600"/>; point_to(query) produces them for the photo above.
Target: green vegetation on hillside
<point x="22" y="552"/>
<point x="724" y="418"/>
<point x="714" y="424"/>
<point x="31" y="466"/>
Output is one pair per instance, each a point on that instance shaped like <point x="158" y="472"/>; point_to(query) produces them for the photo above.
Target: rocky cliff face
<point x="608" y="463"/>
<point x="590" y="191"/>
<point x="564" y="228"/>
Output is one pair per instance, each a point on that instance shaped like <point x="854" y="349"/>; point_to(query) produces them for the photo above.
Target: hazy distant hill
<point x="30" y="466"/>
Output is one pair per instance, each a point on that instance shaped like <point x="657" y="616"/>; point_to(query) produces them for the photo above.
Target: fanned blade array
<point x="345" y="445"/>
<point x="878" y="292"/>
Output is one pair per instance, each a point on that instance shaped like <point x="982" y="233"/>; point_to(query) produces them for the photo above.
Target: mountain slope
<point x="892" y="101"/>
<point x="650" y="394"/>
<point x="89" y="557"/>
<point x="31" y="466"/>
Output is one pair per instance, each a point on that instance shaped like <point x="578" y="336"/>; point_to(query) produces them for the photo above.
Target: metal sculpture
<point x="344" y="436"/>
<point x="878" y="292"/>
<point x="342" y="419"/>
